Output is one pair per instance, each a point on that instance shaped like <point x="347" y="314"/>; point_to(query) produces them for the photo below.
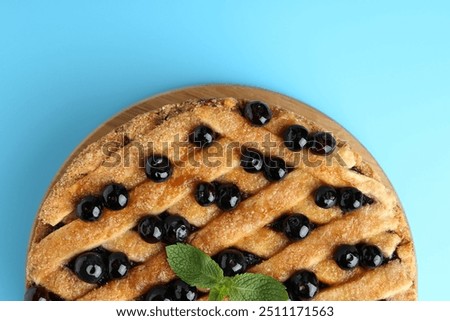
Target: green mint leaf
<point x="217" y="294"/>
<point x="193" y="266"/>
<point x="221" y="289"/>
<point x="256" y="287"/>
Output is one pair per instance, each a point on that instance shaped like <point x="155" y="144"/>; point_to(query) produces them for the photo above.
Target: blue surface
<point x="380" y="68"/>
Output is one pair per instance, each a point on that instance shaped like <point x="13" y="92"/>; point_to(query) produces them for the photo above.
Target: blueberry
<point x="176" y="229"/>
<point x="275" y="169"/>
<point x="326" y="197"/>
<point x="158" y="293"/>
<point x="179" y="290"/>
<point x="296" y="227"/>
<point x="118" y="265"/>
<point x="322" y="143"/>
<point x="346" y="256"/>
<point x="202" y="136"/>
<point x="303" y="285"/>
<point x="231" y="261"/>
<point x="295" y="137"/>
<point x="89" y="267"/>
<point x="89" y="208"/>
<point x="38" y="293"/>
<point x="370" y="256"/>
<point x="258" y="113"/>
<point x="150" y="228"/>
<point x="251" y="259"/>
<point x="228" y="196"/>
<point x="251" y="160"/>
<point x="350" y="199"/>
<point x="158" y="168"/>
<point x="115" y="197"/>
<point x="205" y="194"/>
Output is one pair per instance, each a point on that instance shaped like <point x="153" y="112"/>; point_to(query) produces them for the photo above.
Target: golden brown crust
<point x="382" y="223"/>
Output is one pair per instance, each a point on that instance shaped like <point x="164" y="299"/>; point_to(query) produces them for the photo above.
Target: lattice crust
<point x="247" y="227"/>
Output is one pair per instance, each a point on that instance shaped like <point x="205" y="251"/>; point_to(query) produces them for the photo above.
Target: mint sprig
<point x="193" y="266"/>
<point x="198" y="269"/>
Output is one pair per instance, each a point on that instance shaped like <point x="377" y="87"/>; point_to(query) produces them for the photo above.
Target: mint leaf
<point x="217" y="294"/>
<point x="221" y="289"/>
<point x="256" y="287"/>
<point x="193" y="266"/>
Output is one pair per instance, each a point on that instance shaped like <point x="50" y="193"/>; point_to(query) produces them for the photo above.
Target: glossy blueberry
<point x="322" y="143"/>
<point x="303" y="285"/>
<point x="118" y="265"/>
<point x="176" y="229"/>
<point x="179" y="290"/>
<point x="202" y="136"/>
<point x="231" y="261"/>
<point x="158" y="293"/>
<point x="89" y="208"/>
<point x="38" y="293"/>
<point x="346" y="256"/>
<point x="158" y="168"/>
<point x="350" y="199"/>
<point x="257" y="112"/>
<point x="326" y="197"/>
<point x="251" y="160"/>
<point x="295" y="137"/>
<point x="296" y="226"/>
<point x="150" y="228"/>
<point x="275" y="169"/>
<point x="251" y="259"/>
<point x="228" y="196"/>
<point x="205" y="194"/>
<point x="370" y="256"/>
<point x="89" y="267"/>
<point x="115" y="197"/>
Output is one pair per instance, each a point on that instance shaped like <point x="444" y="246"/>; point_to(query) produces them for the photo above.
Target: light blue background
<point x="380" y="68"/>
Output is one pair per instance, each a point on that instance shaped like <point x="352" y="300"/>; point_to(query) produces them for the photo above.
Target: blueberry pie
<point x="256" y="187"/>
